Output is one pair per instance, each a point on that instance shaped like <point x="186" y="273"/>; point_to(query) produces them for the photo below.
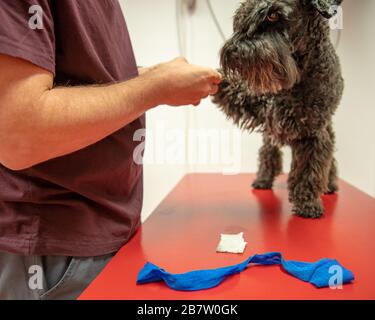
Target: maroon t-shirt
<point x="87" y="203"/>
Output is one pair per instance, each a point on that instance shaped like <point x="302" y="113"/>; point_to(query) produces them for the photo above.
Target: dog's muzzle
<point x="266" y="63"/>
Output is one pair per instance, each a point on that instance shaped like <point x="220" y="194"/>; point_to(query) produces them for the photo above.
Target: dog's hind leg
<point x="308" y="179"/>
<point x="333" y="175"/>
<point x="270" y="164"/>
<point x="333" y="186"/>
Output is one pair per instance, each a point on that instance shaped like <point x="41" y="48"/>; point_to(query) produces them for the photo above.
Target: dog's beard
<point x="265" y="63"/>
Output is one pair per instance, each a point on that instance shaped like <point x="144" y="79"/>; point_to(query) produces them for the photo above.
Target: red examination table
<point x="183" y="232"/>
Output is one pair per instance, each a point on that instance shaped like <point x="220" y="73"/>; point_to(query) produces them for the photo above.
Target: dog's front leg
<point x="235" y="100"/>
<point x="308" y="179"/>
<point x="270" y="164"/>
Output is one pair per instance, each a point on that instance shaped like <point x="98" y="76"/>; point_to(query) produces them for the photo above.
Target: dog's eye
<point x="273" y="17"/>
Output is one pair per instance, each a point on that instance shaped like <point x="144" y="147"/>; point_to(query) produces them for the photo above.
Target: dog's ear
<point x="327" y="8"/>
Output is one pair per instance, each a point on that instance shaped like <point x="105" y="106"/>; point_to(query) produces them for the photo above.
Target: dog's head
<point x="266" y="34"/>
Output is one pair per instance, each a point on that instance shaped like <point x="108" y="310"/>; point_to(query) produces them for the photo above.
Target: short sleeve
<point x="27" y="31"/>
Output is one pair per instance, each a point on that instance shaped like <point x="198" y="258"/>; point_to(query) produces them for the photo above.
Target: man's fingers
<point x="213" y="89"/>
<point x="210" y="75"/>
<point x="215" y="77"/>
<point x="218" y="78"/>
<point x="181" y="59"/>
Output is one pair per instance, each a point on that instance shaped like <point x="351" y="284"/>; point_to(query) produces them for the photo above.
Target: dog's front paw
<point x="312" y="210"/>
<point x="262" y="184"/>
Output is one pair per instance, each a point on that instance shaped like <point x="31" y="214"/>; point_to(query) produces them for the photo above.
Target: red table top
<point x="183" y="232"/>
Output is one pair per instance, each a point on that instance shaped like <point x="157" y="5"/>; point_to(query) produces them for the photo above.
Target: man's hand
<point x="179" y="83"/>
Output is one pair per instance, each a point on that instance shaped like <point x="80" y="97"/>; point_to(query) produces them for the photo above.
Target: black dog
<point x="283" y="77"/>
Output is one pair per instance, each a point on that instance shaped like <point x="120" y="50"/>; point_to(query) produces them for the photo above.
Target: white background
<point x="152" y="26"/>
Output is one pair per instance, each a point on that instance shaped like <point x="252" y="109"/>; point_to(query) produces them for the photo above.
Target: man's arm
<point x="39" y="122"/>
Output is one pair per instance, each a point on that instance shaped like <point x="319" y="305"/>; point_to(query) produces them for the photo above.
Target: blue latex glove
<point x="317" y="273"/>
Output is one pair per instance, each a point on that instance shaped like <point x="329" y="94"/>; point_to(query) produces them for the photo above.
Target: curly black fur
<point x="283" y="78"/>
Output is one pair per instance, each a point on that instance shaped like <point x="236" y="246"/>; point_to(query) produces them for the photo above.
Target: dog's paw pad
<point x="262" y="184"/>
<point x="313" y="210"/>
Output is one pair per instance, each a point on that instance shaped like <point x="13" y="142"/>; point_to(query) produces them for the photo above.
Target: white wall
<point x="355" y="120"/>
<point x="152" y="25"/>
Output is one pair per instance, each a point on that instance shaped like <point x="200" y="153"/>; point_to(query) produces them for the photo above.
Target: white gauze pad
<point x="232" y="243"/>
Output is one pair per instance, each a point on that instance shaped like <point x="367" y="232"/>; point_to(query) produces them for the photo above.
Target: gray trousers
<point x="47" y="277"/>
